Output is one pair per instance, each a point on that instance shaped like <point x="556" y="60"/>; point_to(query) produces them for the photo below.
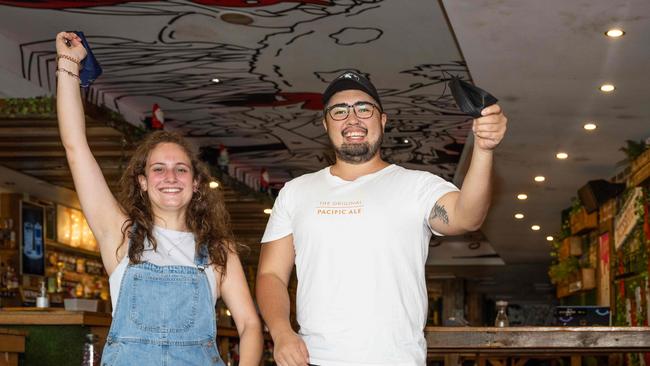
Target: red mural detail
<point x="250" y="4"/>
<point x="311" y="101"/>
<point x="89" y="4"/>
<point x="63" y="4"/>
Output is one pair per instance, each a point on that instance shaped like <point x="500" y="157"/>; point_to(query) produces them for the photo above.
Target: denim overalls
<point x="164" y="316"/>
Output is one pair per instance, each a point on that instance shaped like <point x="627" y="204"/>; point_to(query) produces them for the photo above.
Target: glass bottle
<point x="90" y="355"/>
<point x="502" y="318"/>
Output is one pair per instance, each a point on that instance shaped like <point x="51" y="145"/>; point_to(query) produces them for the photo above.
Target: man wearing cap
<point x="358" y="233"/>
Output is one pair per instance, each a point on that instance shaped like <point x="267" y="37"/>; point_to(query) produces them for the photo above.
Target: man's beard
<point x="358" y="153"/>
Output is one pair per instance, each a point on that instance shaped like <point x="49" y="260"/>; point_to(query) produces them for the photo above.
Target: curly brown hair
<point x="206" y="216"/>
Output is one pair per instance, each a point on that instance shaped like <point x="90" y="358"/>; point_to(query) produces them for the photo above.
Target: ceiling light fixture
<point x="590" y="126"/>
<point x="215" y="80"/>
<point x="268" y="211"/>
<point x="607" y="88"/>
<point x="238" y="18"/>
<point x="519" y="216"/>
<point x="549" y="238"/>
<point x="522" y="196"/>
<point x="535" y="227"/>
<point x="214" y="184"/>
<point x="615" y="33"/>
<point x="540" y="178"/>
<point x="561" y="155"/>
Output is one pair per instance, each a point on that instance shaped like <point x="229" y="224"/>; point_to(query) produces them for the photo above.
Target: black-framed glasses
<point x="363" y="110"/>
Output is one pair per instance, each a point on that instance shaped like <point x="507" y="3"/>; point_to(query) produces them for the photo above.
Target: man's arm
<point x="459" y="212"/>
<point x="273" y="273"/>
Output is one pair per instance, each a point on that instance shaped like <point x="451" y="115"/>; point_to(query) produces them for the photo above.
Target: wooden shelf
<point x="64" y="247"/>
<point x="9" y="251"/>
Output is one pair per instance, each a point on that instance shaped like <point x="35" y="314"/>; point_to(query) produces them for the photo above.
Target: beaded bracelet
<point x="67" y="72"/>
<point x="70" y="58"/>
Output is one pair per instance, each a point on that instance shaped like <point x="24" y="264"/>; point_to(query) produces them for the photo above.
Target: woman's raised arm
<point x="100" y="207"/>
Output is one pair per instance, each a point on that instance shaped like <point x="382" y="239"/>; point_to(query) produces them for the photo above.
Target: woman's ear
<point x="143" y="182"/>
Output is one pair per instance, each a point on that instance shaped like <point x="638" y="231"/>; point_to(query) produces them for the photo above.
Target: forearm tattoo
<point x="439" y="212"/>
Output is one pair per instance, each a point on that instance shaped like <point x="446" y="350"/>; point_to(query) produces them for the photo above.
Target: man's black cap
<point x="351" y="80"/>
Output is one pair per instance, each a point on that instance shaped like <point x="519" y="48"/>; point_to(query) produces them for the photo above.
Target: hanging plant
<point x="563" y="269"/>
<point x="632" y="150"/>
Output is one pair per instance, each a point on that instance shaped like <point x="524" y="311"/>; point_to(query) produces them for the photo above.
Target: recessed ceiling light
<point x="267" y="211"/>
<point x="406" y="141"/>
<point x="519" y="216"/>
<point x="238" y="18"/>
<point x="607" y="88"/>
<point x="561" y="155"/>
<point x="590" y="126"/>
<point x="535" y="227"/>
<point x="522" y="196"/>
<point x="216" y="80"/>
<point x="213" y="184"/>
<point x="615" y="33"/>
<point x="549" y="238"/>
<point x="540" y="178"/>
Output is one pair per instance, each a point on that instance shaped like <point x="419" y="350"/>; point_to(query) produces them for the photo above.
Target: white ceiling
<point x="543" y="60"/>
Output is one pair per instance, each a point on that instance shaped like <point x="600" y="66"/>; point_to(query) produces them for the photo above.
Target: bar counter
<point x="55" y="336"/>
<point x="12" y="343"/>
<point x="522" y="343"/>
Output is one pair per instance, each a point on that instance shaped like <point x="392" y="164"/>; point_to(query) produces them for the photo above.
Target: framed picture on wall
<point x="32" y="239"/>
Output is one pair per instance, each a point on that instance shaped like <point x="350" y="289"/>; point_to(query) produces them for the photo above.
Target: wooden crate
<point x="581" y="221"/>
<point x="639" y="169"/>
<point x="639" y="176"/>
<point x="607" y="211"/>
<point x="562" y="290"/>
<point x="641" y="161"/>
<point x="571" y="246"/>
<point x="588" y="278"/>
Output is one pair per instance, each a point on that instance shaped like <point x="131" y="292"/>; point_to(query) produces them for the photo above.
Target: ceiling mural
<point x="272" y="59"/>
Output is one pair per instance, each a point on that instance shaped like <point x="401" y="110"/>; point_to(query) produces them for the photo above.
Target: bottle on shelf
<point x="3" y="271"/>
<point x="501" y="319"/>
<point x="91" y="355"/>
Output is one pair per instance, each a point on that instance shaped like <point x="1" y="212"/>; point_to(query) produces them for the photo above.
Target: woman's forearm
<point x="250" y="344"/>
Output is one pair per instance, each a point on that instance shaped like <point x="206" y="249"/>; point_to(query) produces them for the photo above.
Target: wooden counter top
<point x="537" y="339"/>
<point x="52" y="316"/>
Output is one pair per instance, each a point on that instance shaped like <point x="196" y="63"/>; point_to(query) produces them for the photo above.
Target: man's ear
<point x="325" y="124"/>
<point x="384" y="119"/>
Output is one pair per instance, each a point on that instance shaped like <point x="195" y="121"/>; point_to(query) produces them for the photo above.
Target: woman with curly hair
<point x="165" y="242"/>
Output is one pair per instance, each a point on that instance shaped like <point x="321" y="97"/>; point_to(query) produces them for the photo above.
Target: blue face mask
<point x="90" y="69"/>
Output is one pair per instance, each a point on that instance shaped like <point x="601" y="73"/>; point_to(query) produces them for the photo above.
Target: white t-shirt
<point x="361" y="248"/>
<point x="175" y="248"/>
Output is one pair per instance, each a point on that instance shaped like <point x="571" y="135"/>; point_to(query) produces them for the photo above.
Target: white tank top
<point x="175" y="248"/>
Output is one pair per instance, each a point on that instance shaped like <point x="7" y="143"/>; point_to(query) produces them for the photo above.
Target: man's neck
<point x="351" y="172"/>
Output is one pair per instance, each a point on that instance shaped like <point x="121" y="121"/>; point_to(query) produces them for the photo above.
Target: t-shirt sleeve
<point x="279" y="224"/>
<point x="432" y="188"/>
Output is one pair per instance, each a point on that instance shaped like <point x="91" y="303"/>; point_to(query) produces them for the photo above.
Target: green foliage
<point x="563" y="269"/>
<point x="634" y="149"/>
<point x="27" y="107"/>
<point x="576" y="205"/>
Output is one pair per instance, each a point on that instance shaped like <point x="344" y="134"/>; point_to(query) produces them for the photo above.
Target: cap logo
<point x="349" y="75"/>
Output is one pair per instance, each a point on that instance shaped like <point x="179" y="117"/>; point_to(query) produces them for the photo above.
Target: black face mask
<point x="470" y="98"/>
